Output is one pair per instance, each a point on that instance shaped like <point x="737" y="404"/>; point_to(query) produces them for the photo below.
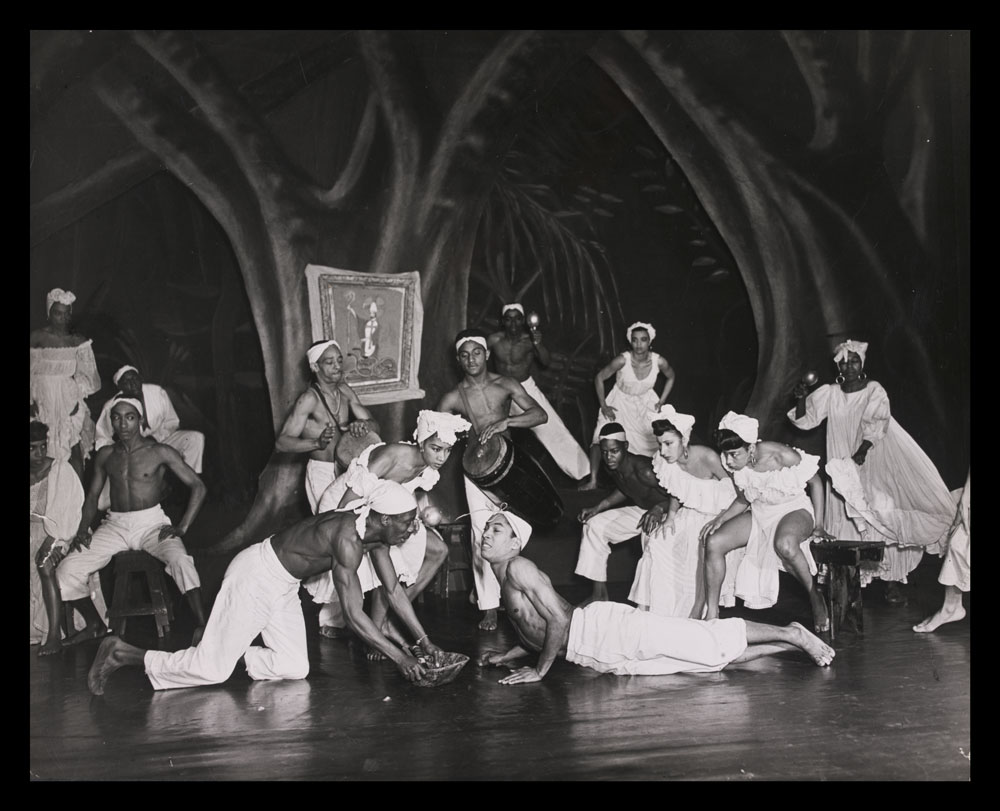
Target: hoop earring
<point x="685" y="454"/>
<point x="864" y="375"/>
<point x="840" y="379"/>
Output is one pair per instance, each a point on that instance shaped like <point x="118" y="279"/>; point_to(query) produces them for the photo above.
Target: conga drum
<point x="350" y="447"/>
<point x="514" y="477"/>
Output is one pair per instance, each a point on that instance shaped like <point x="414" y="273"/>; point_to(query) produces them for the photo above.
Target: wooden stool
<point x="843" y="581"/>
<point x="128" y="603"/>
<point x="456" y="572"/>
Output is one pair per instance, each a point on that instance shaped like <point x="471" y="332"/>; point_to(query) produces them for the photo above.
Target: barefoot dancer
<point x="956" y="571"/>
<point x="260" y="595"/>
<point x="614" y="637"/>
<point x="485" y="399"/>
<point x="771" y="517"/>
<point x="416" y="560"/>
<point x="135" y="465"/>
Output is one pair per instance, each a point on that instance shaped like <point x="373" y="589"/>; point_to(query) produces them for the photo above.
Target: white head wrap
<point x="682" y="422"/>
<point x="118" y="375"/>
<point x="743" y="426"/>
<point x="132" y="402"/>
<point x="443" y="424"/>
<point x="641" y="325"/>
<point x="859" y="347"/>
<point x="387" y="497"/>
<point x="476" y="339"/>
<point x="314" y="353"/>
<point x="520" y="527"/>
<point x="57" y="294"/>
<point x="618" y="432"/>
<point x="517" y="307"/>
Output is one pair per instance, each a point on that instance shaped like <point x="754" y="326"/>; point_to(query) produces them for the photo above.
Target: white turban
<point x="859" y="347"/>
<point x="118" y="375"/>
<point x="387" y="497"/>
<point x="314" y="353"/>
<point x="136" y="404"/>
<point x="743" y="426"/>
<point x="641" y="325"/>
<point x="517" y="307"/>
<point x="613" y="430"/>
<point x="682" y="422"/>
<point x="57" y="294"/>
<point x="520" y="527"/>
<point x="443" y="424"/>
<point x="476" y="339"/>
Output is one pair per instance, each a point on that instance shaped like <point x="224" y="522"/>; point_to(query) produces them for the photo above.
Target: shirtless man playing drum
<point x="484" y="398"/>
<point x="319" y="419"/>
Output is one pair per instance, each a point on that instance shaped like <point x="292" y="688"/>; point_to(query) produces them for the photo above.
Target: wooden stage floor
<point x="895" y="705"/>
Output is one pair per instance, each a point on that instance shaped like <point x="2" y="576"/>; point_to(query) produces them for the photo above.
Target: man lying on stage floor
<point x="260" y="595"/>
<point x="615" y="637"/>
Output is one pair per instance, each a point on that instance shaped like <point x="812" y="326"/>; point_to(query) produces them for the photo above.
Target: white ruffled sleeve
<point x="807" y="468"/>
<point x="360" y="479"/>
<point x="817" y="408"/>
<point x="65" y="503"/>
<point x="875" y="419"/>
<point x="86" y="375"/>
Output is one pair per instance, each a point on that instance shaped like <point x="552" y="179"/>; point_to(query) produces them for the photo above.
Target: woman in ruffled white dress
<point x="632" y="398"/>
<point x="883" y="487"/>
<point x="62" y="372"/>
<point x="416" y="466"/>
<point x="669" y="579"/>
<point x="767" y="527"/>
<point x="55" y="501"/>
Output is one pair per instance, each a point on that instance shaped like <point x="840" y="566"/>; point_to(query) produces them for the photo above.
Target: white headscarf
<point x="314" y="353"/>
<point x="443" y="424"/>
<point x="57" y="294"/>
<point x="520" y="527"/>
<point x="118" y="375"/>
<point x="743" y="426"/>
<point x="682" y="422"/>
<point x="476" y="339"/>
<point x="515" y="306"/>
<point x="617" y="432"/>
<point x="387" y="497"/>
<point x="859" y="347"/>
<point x="641" y="325"/>
<point x="136" y="404"/>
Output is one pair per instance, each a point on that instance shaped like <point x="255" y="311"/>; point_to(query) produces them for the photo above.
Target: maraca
<point x="810" y="378"/>
<point x="533" y="321"/>
<point x="431" y="516"/>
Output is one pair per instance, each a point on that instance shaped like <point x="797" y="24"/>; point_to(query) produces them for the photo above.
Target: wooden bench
<point x="843" y="581"/>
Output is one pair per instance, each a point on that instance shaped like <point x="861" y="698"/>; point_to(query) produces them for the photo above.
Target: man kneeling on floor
<point x="260" y="595"/>
<point x="614" y="637"/>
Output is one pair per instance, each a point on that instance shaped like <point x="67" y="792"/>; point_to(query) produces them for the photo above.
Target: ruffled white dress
<point x="752" y="571"/>
<point x="632" y="400"/>
<point x="669" y="575"/>
<point x="59" y="379"/>
<point x="897" y="496"/>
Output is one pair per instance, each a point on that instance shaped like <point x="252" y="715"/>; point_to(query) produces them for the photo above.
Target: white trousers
<point x="120" y="532"/>
<point x="599" y="532"/>
<point x="555" y="436"/>
<point x="257" y="596"/>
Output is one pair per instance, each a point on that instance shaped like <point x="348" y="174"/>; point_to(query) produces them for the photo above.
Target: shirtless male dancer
<point x="615" y="637"/>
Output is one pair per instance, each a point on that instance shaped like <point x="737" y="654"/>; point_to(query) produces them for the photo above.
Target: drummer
<point x="320" y="416"/>
<point x="484" y="398"/>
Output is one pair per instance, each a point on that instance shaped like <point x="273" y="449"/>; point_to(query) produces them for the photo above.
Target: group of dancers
<point x="716" y="523"/>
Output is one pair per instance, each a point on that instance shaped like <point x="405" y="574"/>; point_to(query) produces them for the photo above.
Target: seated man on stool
<point x="161" y="421"/>
<point x="135" y="466"/>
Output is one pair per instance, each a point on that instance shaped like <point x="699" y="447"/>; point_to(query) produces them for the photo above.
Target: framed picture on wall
<point x="377" y="320"/>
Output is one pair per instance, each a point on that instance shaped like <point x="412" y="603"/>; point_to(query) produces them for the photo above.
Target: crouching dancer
<point x="614" y="637"/>
<point x="260" y="595"/>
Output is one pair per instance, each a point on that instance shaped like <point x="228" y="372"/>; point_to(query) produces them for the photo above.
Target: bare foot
<point x="821" y="617"/>
<point x="333" y="632"/>
<point x="489" y="620"/>
<point x="586" y="485"/>
<point x="87" y="634"/>
<point x="51" y="646"/>
<point x="105" y="663"/>
<point x="932" y="623"/>
<point x="821" y="653"/>
<point x="199" y="632"/>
